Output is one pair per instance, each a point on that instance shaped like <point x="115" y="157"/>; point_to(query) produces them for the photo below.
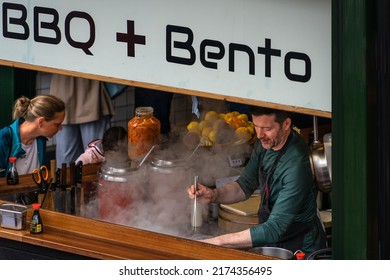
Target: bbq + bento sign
<point x="274" y="51"/>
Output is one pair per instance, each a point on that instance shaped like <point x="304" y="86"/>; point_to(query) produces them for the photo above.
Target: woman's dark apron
<point x="292" y="239"/>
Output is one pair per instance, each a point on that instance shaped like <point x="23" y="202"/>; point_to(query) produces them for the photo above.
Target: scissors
<point x="40" y="177"/>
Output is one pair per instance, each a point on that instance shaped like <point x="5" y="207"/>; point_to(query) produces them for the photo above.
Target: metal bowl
<point x="275" y="252"/>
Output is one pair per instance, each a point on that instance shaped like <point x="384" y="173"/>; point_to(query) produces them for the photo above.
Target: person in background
<point x="35" y="120"/>
<point x="114" y="141"/>
<point x="161" y="103"/>
<point x="88" y="113"/>
<point x="279" y="166"/>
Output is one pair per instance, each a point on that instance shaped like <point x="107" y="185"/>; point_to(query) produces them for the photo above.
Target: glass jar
<point x="143" y="132"/>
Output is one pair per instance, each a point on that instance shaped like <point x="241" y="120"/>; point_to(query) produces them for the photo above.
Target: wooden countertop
<point x="107" y="241"/>
<point x="102" y="240"/>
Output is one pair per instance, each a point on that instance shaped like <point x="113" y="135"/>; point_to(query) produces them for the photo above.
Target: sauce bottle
<point x="143" y="132"/>
<point x="36" y="225"/>
<point x="12" y="174"/>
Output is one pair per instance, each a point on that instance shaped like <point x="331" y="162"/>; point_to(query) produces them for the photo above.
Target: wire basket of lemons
<point x="214" y="128"/>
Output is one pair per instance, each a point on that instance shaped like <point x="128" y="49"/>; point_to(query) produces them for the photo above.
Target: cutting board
<point x="248" y="207"/>
<point x="237" y="218"/>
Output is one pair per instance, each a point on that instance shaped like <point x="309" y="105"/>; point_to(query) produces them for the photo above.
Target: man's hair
<point x="280" y="116"/>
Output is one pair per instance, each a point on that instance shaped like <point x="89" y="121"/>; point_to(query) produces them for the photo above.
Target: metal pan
<point x="318" y="162"/>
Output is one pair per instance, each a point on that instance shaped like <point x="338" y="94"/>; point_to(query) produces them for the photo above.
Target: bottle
<point x="36" y="225"/>
<point x="12" y="175"/>
<point x="143" y="132"/>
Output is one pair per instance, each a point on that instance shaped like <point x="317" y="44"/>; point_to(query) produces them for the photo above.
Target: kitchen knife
<point x="79" y="192"/>
<point x="71" y="193"/>
<point x="57" y="191"/>
<point x="49" y="200"/>
<point x="63" y="191"/>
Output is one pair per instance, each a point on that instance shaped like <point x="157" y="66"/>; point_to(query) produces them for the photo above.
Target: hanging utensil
<point x="318" y="162"/>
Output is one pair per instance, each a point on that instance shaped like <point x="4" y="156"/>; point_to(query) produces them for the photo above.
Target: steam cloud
<point x="155" y="198"/>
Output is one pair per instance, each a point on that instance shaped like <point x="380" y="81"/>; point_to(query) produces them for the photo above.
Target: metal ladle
<point x="146" y="156"/>
<point x="196" y="219"/>
<point x="194" y="151"/>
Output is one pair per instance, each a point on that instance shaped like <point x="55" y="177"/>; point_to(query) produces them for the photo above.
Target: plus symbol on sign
<point x="130" y="38"/>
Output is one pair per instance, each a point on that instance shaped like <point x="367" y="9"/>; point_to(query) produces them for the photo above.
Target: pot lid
<point x="117" y="168"/>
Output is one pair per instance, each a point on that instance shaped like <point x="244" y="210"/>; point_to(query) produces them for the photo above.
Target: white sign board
<point x="275" y="51"/>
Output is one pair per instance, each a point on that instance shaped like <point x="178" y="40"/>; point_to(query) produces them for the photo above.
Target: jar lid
<point x="12" y="159"/>
<point x="36" y="206"/>
<point x="144" y="110"/>
<point x="116" y="171"/>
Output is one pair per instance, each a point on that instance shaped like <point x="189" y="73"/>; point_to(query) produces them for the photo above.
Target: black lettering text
<point x="243" y="48"/>
<point x="268" y="52"/>
<point x="52" y="25"/>
<point x="21" y="21"/>
<point x="287" y="67"/>
<point x="183" y="45"/>
<point x="211" y="55"/>
<point x="81" y="45"/>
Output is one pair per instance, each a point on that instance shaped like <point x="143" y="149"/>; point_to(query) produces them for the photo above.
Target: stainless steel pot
<point x="120" y="187"/>
<point x="275" y="252"/>
<point x="318" y="162"/>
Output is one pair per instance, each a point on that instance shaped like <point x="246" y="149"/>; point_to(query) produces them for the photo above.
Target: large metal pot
<point x="318" y="163"/>
<point x="275" y="252"/>
<point x="169" y="173"/>
<point x="120" y="188"/>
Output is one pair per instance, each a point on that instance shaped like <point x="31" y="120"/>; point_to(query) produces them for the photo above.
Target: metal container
<point x="170" y="174"/>
<point x="120" y="188"/>
<point x="318" y="163"/>
<point x="275" y="252"/>
<point x="13" y="216"/>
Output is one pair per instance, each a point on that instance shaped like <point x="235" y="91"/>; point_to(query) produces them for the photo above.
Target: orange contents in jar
<point x="143" y="132"/>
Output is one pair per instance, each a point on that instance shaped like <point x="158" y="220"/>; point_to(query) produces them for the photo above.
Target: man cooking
<point x="279" y="166"/>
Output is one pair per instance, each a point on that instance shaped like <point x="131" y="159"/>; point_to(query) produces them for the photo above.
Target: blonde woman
<point x="35" y="120"/>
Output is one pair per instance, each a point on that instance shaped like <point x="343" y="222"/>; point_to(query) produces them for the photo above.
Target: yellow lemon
<point x="193" y="126"/>
<point x="206" y="142"/>
<point x="236" y="122"/>
<point x="213" y="136"/>
<point x="218" y="123"/>
<point x="243" y="117"/>
<point x="228" y="116"/>
<point x="203" y="124"/>
<point x="251" y="129"/>
<point x="242" y="133"/>
<point x="235" y="113"/>
<point x="211" y="116"/>
<point x="206" y="131"/>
